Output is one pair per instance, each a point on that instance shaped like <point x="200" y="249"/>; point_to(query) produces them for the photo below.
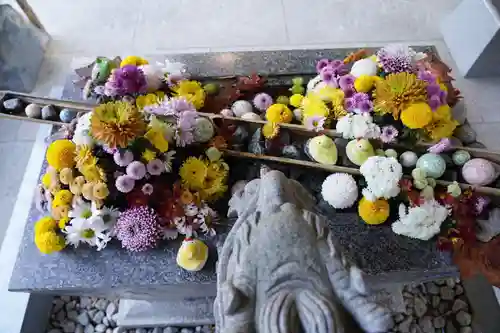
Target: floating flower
<point x="315" y="123"/>
<point x="49" y="242"/>
<point x="136" y="170"/>
<point x="416" y="115"/>
<point x="123" y="158"/>
<point x="262" y="101"/>
<point x="168" y="159"/>
<point x="148" y="155"/>
<point x="397" y="58"/>
<point x="373" y="212"/>
<point x="126" y="80"/>
<point x="125" y="183"/>
<point x="296" y="100"/>
<point x="155" y="167"/>
<point x="138" y="229"/>
<point x="192" y="91"/>
<point x="193" y="173"/>
<point x="147" y="189"/>
<point x="279" y="113"/>
<point x="133" y="60"/>
<point x="61" y="154"/>
<point x="117" y="124"/>
<point x="339" y="190"/>
<point x="270" y="130"/>
<point x="398" y="91"/>
<point x="389" y="134"/>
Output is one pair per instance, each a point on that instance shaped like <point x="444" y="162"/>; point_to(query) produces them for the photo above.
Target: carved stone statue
<point x="280" y="271"/>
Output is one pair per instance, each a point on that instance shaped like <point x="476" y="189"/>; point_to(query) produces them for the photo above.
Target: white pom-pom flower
<point x="420" y="222"/>
<point x="382" y="175"/>
<point x="339" y="190"/>
<point x="358" y="126"/>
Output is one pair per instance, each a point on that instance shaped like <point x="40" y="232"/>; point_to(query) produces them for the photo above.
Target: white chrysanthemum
<point x="85" y="230"/>
<point x="358" y="126"/>
<point x="339" y="190"/>
<point x="421" y="222"/>
<point x="382" y="175"/>
<point x="315" y="84"/>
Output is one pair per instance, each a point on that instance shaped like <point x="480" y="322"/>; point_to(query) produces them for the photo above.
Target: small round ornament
<point x="241" y="107"/>
<point x="251" y="116"/>
<point x="322" y="149"/>
<point x="433" y="165"/>
<point x="192" y="255"/>
<point x="479" y="171"/>
<point x="358" y="151"/>
<point x="408" y="159"/>
<point x="67" y="115"/>
<point x="460" y="157"/>
<point x="33" y="111"/>
<point x="391" y="153"/>
<point x="49" y="112"/>
<point x="364" y="67"/>
<point x="203" y="130"/>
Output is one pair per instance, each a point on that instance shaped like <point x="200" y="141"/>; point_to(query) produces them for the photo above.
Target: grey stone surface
<point x="18" y="39"/>
<point x="279" y="265"/>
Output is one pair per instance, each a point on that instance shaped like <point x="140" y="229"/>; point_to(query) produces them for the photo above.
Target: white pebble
<point x="79" y="329"/>
<point x="105" y="321"/>
<point x="111" y="309"/>
<point x="101" y="304"/>
<point x="98" y="317"/>
<point x="250" y="116"/>
<point x="69" y="327"/>
<point x="89" y="328"/>
<point x="83" y="318"/>
<point x="464" y="318"/>
<point x="101" y="328"/>
<point x="459" y="305"/>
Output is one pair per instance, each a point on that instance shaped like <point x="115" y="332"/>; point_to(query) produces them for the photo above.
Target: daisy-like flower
<point x="123" y="158"/>
<point x="315" y="123"/>
<point x="389" y="134"/>
<point x="183" y="227"/>
<point x="124" y="183"/>
<point x="147" y="189"/>
<point x="136" y="170"/>
<point x="109" y="215"/>
<point x="168" y="159"/>
<point x="183" y="137"/>
<point x="84" y="231"/>
<point x="155" y="167"/>
<point x="262" y="101"/>
<point x="80" y="210"/>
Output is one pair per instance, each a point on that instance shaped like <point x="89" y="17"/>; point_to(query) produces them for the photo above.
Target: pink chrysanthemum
<point x="136" y="170"/>
<point x="262" y="101"/>
<point x="389" y="134"/>
<point x="396" y="58"/>
<point x="126" y="80"/>
<point x="155" y="167"/>
<point x="124" y="183"/>
<point x="123" y="158"/>
<point x="138" y="229"/>
<point x="147" y="189"/>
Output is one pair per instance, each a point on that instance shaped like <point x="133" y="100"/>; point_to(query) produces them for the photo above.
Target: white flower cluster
<point x="340" y="190"/>
<point x="420" y="222"/>
<point x="195" y="220"/>
<point x="382" y="175"/>
<point x="357" y="126"/>
<point x="82" y="131"/>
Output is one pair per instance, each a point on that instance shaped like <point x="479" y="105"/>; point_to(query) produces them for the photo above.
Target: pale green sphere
<point x="433" y="165"/>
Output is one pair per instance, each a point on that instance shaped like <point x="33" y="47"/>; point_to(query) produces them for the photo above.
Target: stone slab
<point x="153" y="275"/>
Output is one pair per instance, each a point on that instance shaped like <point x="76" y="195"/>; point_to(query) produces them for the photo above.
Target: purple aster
<point x="138" y="229"/>
<point x="136" y="170"/>
<point x="339" y="67"/>
<point x="364" y="106"/>
<point x="389" y="134"/>
<point x="124" y="183"/>
<point x="155" y="167"/>
<point x="123" y="158"/>
<point x="433" y="89"/>
<point x="147" y="189"/>
<point x="183" y="137"/>
<point x="262" y="101"/>
<point x="349" y="104"/>
<point x="322" y="64"/>
<point x="434" y="102"/>
<point x="396" y="58"/>
<point x="348" y="92"/>
<point x="328" y="76"/>
<point x="315" y="123"/>
<point x="346" y="82"/>
<point x="359" y="98"/>
<point x="443" y="145"/>
<point x="187" y="120"/>
<point x="481" y="203"/>
<point x="427" y="77"/>
<point x="171" y="107"/>
<point x="128" y="79"/>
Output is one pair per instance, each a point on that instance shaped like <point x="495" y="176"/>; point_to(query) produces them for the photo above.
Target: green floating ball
<point x="283" y="100"/>
<point x="298" y="81"/>
<point x="297" y="90"/>
<point x="211" y="88"/>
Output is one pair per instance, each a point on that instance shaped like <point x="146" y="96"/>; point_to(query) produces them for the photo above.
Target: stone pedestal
<point x="472" y="34"/>
<point x="22" y="49"/>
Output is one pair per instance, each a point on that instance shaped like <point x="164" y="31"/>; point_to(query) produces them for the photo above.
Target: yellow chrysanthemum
<point x="270" y="130"/>
<point x="117" y="124"/>
<point x="49" y="242"/>
<point x="93" y="173"/>
<point x="296" y="100"/>
<point x="157" y="139"/>
<point x="63" y="222"/>
<point x="192" y="91"/>
<point x="213" y="190"/>
<point x="442" y="124"/>
<point x="148" y="155"/>
<point x="328" y="94"/>
<point x="84" y="156"/>
<point x="279" y="113"/>
<point x="64" y="197"/>
<point x="45" y="224"/>
<point x="217" y="170"/>
<point x="375" y="212"/>
<point x="47" y="180"/>
<point x="416" y="115"/>
<point x="61" y="154"/>
<point x="133" y="60"/>
<point x="313" y="105"/>
<point x="397" y="91"/>
<point x="149" y="99"/>
<point x="100" y="191"/>
<point x="364" y="83"/>
<point x="193" y="173"/>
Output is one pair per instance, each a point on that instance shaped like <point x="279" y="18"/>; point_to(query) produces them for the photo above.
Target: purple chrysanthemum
<point x="396" y="58"/>
<point x="138" y="229"/>
<point x="322" y="64"/>
<point x="183" y="137"/>
<point x="128" y="79"/>
<point x="349" y="92"/>
<point x="433" y="89"/>
<point x="136" y="170"/>
<point x="262" y="101"/>
<point x="123" y="158"/>
<point x="328" y="76"/>
<point x="124" y="183"/>
<point x="359" y="98"/>
<point x="147" y="189"/>
<point x="364" y="106"/>
<point x="171" y="107"/>
<point x="434" y="102"/>
<point x="389" y="134"/>
<point x="155" y="167"/>
<point x="426" y="76"/>
<point x="349" y="104"/>
<point x="339" y="67"/>
<point x="443" y="96"/>
<point x="346" y="82"/>
<point x="187" y="120"/>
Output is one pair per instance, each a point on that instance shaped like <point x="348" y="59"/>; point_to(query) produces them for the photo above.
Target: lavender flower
<point x="99" y="90"/>
<point x="481" y="203"/>
<point x="443" y="96"/>
<point x="128" y="79"/>
<point x="426" y="76"/>
<point x="262" y="101"/>
<point x="155" y="167"/>
<point x="348" y="92"/>
<point x="147" y="189"/>
<point x="124" y="183"/>
<point x="187" y="120"/>
<point x="434" y="102"/>
<point x="396" y="58"/>
<point x="349" y="104"/>
<point x="346" y="82"/>
<point x="339" y="67"/>
<point x="138" y="229"/>
<point x="359" y="98"/>
<point x="322" y="64"/>
<point x="433" y="89"/>
<point x="183" y="137"/>
<point x="364" y="106"/>
<point x="123" y="158"/>
<point x="389" y="134"/>
<point x="328" y="76"/>
<point x="443" y="145"/>
<point x="136" y="170"/>
<point x="315" y="123"/>
<point x="171" y="107"/>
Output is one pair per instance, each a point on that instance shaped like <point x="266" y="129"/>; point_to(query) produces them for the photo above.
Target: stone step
<point x="188" y="312"/>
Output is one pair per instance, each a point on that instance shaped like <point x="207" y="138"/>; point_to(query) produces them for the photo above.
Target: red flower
<point x="136" y="198"/>
<point x="406" y="184"/>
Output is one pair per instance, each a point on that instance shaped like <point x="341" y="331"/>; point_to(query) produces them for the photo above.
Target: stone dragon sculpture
<point x="279" y="270"/>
